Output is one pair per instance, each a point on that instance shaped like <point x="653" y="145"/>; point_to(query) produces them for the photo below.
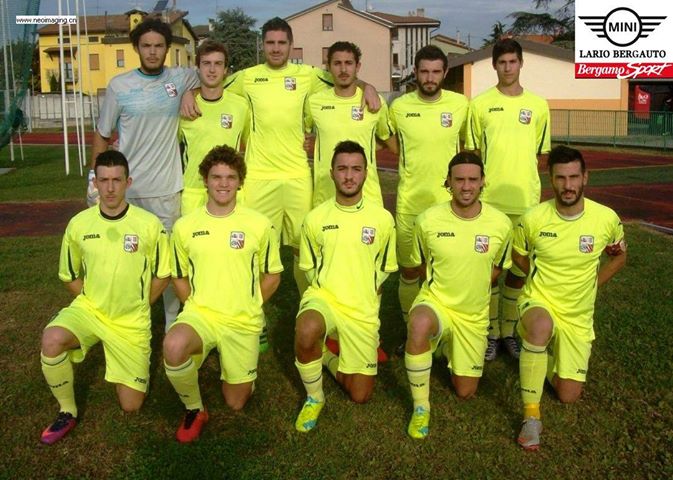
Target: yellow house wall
<point x="373" y="40"/>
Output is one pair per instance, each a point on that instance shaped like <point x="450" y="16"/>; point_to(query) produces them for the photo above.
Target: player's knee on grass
<point x="538" y="326"/>
<point x="514" y="281"/>
<point x="409" y="273"/>
<point x="359" y="387"/>
<point x="130" y="400"/>
<point x="568" y="391"/>
<point x="178" y="344"/>
<point x="236" y="395"/>
<point x="466" y="387"/>
<point x="56" y="340"/>
<point x="309" y="333"/>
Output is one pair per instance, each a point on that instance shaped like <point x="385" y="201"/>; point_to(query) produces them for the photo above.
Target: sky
<point x="473" y="19"/>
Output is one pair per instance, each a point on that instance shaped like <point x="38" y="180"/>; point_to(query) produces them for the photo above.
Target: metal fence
<point x="44" y="110"/>
<point x="615" y="128"/>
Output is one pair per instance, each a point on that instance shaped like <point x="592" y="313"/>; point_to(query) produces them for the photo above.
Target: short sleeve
<point x="307" y="249"/>
<point x="503" y="258"/>
<point x="179" y="261"/>
<point x="520" y="241"/>
<point x="109" y="114"/>
<point x="473" y="129"/>
<point x="544" y="130"/>
<point x="161" y="267"/>
<point x="269" y="253"/>
<point x="70" y="258"/>
<point x="388" y="247"/>
<point x="383" y="131"/>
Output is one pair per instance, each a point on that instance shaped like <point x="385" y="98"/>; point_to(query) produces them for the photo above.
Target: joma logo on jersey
<point x="140" y="380"/>
<point x="413" y="114"/>
<point x="330" y="227"/>
<point x="200" y="233"/>
<point x="586" y="243"/>
<point x="481" y="243"/>
<point x="130" y="243"/>
<point x="261" y="79"/>
<point x="252" y="372"/>
<point x="525" y="116"/>
<point x="226" y="120"/>
<point x="548" y="234"/>
<point x="237" y="240"/>
<point x="496" y="109"/>
<point x="90" y="236"/>
<point x="445" y="234"/>
<point x="171" y="89"/>
<point x="326" y="107"/>
<point x="368" y="235"/>
<point x="290" y="83"/>
<point x="357" y="114"/>
<point x="446" y="119"/>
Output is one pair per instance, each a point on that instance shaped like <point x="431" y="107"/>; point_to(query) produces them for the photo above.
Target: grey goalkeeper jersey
<point x="145" y="110"/>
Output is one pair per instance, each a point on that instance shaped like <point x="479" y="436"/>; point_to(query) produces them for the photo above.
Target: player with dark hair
<point x="114" y="259"/>
<point x="347" y="252"/>
<point x="559" y="245"/>
<point x="143" y="106"/>
<point x="224" y="120"/>
<point x="223" y="287"/>
<point x="337" y="115"/>
<point x="428" y="126"/>
<point x="510" y="128"/>
<point x="463" y="245"/>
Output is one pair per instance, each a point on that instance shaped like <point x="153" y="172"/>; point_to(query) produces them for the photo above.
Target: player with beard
<point x="143" y="105"/>
<point x="559" y="245"/>
<point x="336" y="115"/>
<point x="429" y="126"/>
<point x="509" y="127"/>
<point x="463" y="245"/>
<point x="347" y="252"/>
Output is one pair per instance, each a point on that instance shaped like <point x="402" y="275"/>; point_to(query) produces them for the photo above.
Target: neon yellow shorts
<point x="193" y="199"/>
<point x="466" y="339"/>
<point x="127" y="351"/>
<point x="358" y="340"/>
<point x="569" y="352"/>
<point x="404" y="228"/>
<point x="238" y="348"/>
<point x="284" y="202"/>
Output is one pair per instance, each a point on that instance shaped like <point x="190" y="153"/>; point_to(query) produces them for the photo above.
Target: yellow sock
<point x="493" y="324"/>
<point x="60" y="378"/>
<point x="185" y="381"/>
<point x="418" y="372"/>
<point x="510" y="314"/>
<point x="532" y="371"/>
<point x="330" y="362"/>
<point x="407" y="290"/>
<point x="311" y="377"/>
<point x="531" y="410"/>
<point x="299" y="276"/>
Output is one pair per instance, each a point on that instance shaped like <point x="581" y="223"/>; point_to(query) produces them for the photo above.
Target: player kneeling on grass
<point x="559" y="244"/>
<point x="347" y="249"/>
<point x="464" y="244"/>
<point x="114" y="258"/>
<point x="225" y="264"/>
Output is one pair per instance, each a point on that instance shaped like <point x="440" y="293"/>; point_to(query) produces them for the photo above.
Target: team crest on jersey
<point x="237" y="240"/>
<point x="368" y="235"/>
<point x="130" y="243"/>
<point x="290" y="83"/>
<point x="447" y="119"/>
<point x="586" y="243"/>
<point x="171" y="89"/>
<point x="525" y="116"/>
<point x="481" y="243"/>
<point x="357" y="113"/>
<point x="226" y="120"/>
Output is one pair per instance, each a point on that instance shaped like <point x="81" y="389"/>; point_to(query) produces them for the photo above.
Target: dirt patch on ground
<point x="38" y="218"/>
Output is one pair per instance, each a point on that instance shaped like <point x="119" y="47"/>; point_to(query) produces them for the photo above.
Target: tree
<point x="497" y="32"/>
<point x="561" y="25"/>
<point x="235" y="29"/>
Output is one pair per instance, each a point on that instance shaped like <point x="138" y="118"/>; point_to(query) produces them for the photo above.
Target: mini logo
<point x="481" y="243"/>
<point x="357" y="113"/>
<point x="622" y="27"/>
<point x="525" y="116"/>
<point x="237" y="240"/>
<point x="226" y="120"/>
<point x="447" y="119"/>
<point x="171" y="89"/>
<point x="290" y="83"/>
<point x="130" y="243"/>
<point x="368" y="235"/>
<point x="586" y="243"/>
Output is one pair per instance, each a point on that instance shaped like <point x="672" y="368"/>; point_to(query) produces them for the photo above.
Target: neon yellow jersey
<point x="116" y="259"/>
<point x="510" y="132"/>
<point x="222" y="122"/>
<point x="349" y="248"/>
<point x="429" y="135"/>
<point x="565" y="256"/>
<point x="460" y="254"/>
<point x="223" y="258"/>
<point x="275" y="150"/>
<point x="343" y="118"/>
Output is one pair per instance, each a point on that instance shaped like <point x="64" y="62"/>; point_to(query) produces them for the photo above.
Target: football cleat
<point x="419" y="425"/>
<point x="491" y="349"/>
<point x="512" y="347"/>
<point x="308" y="416"/>
<point x="529" y="437"/>
<point x="57" y="430"/>
<point x="191" y="425"/>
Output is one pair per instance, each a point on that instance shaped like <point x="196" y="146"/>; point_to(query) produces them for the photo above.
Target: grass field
<point x="622" y="427"/>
